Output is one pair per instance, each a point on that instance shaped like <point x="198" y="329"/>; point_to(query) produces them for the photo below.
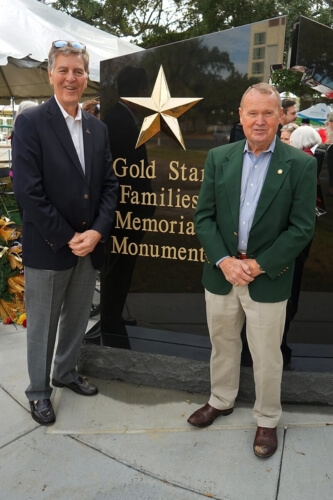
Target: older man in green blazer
<point x="255" y="213"/>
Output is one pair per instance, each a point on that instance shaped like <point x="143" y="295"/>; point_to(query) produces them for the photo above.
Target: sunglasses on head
<point x="59" y="44"/>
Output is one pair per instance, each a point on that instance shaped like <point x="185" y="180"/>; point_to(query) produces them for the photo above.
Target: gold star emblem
<point x="166" y="110"/>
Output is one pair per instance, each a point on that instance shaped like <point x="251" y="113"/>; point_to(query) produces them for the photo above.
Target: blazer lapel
<point x="232" y="171"/>
<point x="59" y="126"/>
<point x="277" y="173"/>
<point x="88" y="141"/>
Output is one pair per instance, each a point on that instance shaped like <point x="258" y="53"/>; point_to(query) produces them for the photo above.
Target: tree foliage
<point x="139" y="20"/>
<point x="151" y="23"/>
<point x="157" y="22"/>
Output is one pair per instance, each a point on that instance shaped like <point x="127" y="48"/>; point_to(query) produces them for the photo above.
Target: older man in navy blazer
<point x="64" y="182"/>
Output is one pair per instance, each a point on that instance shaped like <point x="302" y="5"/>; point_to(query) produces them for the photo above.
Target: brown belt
<point x="241" y="255"/>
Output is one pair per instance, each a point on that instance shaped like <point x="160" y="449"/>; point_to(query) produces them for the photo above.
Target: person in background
<point x="286" y="132"/>
<point x="92" y="106"/>
<point x="309" y="140"/>
<point x="255" y="213"/>
<point x="305" y="138"/>
<point x="289" y="114"/>
<point x="327" y="137"/>
<point x="67" y="189"/>
<point x="326" y="133"/>
<point x="22" y="106"/>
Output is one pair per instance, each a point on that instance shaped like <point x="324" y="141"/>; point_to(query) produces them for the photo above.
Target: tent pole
<point x="12" y="102"/>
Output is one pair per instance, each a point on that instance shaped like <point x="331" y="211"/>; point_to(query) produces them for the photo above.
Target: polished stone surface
<point x="158" y="269"/>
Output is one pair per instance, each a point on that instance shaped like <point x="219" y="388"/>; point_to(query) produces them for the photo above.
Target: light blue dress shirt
<point x="253" y="176"/>
<point x="254" y="172"/>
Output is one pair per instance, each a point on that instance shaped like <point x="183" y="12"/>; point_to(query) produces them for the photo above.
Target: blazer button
<point x="83" y="223"/>
<point x="235" y="234"/>
<point x="86" y="196"/>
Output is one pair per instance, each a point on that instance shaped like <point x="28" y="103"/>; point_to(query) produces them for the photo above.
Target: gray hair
<point x="290" y="127"/>
<point x="329" y="129"/>
<point x="22" y="106"/>
<point x="66" y="51"/>
<point x="305" y="137"/>
<point x="329" y="117"/>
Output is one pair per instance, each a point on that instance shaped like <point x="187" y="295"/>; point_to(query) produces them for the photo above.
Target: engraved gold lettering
<point x="134" y="171"/>
<point x="171" y="198"/>
<point x="152" y="250"/>
<point x="184" y="173"/>
<point x="174" y="165"/>
<point x="129" y="222"/>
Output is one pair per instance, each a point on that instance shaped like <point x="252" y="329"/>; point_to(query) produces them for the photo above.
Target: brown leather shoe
<point x="265" y="442"/>
<point x="206" y="415"/>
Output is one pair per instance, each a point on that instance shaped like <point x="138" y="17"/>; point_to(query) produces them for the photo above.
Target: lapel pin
<point x="280" y="171"/>
<point x="87" y="131"/>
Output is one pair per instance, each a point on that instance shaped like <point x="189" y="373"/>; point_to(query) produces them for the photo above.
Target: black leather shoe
<point x="80" y="386"/>
<point x="42" y="411"/>
<point x="206" y="415"/>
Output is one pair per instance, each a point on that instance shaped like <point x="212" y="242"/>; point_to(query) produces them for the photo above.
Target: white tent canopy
<point x="317" y="113"/>
<point x="27" y="30"/>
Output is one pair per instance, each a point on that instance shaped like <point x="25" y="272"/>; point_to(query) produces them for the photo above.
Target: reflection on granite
<point x="158" y="254"/>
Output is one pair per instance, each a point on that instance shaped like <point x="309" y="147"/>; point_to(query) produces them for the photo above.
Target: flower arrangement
<point x="12" y="309"/>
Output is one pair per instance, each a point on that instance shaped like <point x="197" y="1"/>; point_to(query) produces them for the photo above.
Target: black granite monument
<point x="151" y="294"/>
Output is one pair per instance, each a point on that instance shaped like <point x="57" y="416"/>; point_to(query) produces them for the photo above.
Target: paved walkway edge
<point x="170" y="372"/>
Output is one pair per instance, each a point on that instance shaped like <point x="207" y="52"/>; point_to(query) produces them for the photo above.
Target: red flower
<point x="7" y="321"/>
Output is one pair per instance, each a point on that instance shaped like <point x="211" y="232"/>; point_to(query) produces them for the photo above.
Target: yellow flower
<point x="21" y="319"/>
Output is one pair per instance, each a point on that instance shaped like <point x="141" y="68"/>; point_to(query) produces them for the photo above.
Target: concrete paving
<point x="132" y="442"/>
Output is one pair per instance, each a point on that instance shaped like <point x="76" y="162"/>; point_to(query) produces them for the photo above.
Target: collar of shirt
<point x="270" y="148"/>
<point x="75" y="129"/>
<point x="65" y="114"/>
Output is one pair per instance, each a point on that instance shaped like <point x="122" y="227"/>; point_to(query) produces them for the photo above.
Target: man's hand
<point x="84" y="243"/>
<point x="254" y="267"/>
<point x="237" y="272"/>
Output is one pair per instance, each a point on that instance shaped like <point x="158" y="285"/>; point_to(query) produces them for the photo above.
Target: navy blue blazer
<point x="57" y="197"/>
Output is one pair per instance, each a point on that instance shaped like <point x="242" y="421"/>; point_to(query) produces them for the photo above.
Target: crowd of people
<point x="253" y="229"/>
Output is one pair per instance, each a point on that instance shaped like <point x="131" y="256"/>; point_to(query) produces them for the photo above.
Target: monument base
<point x="183" y="374"/>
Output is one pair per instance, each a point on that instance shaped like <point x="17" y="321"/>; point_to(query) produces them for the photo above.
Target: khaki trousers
<point x="264" y="330"/>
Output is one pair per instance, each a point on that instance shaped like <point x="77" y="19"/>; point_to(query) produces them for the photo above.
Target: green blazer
<point x="283" y="223"/>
